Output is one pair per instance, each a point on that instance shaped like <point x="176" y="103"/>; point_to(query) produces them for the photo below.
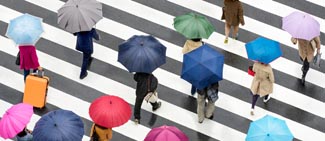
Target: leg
<point x="137" y="107"/>
<point x="85" y="61"/>
<point x="193" y="90"/>
<point x="200" y="107"/>
<point x="89" y="62"/>
<point x="254" y="100"/>
<point x="26" y="72"/>
<point x="266" y="98"/>
<point x="210" y="110"/>
<point x="235" y="32"/>
<point x="155" y="105"/>
<point x="227" y="30"/>
<point x="304" y="69"/>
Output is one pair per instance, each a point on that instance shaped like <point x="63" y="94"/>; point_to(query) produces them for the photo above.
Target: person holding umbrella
<point x="233" y="14"/>
<point x="207" y="93"/>
<point x="100" y="133"/>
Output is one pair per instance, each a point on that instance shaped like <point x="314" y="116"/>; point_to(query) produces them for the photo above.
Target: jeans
<point x="85" y="63"/>
<point x="27" y="72"/>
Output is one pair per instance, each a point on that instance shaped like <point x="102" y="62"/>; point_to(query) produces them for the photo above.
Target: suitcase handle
<point x="39" y="73"/>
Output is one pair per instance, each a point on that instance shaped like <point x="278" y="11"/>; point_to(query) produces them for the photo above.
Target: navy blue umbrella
<point x="263" y="50"/>
<point x="202" y="66"/>
<point x="59" y="125"/>
<point x="142" y="54"/>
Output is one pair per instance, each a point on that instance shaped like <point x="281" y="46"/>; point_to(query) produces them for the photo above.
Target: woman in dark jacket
<point x="141" y="92"/>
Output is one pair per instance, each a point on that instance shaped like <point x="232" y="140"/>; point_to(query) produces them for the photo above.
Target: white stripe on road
<point x="318" y="2"/>
<point x="5" y="105"/>
<point x="101" y="83"/>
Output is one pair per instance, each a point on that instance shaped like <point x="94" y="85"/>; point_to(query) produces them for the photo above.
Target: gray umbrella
<point x="79" y="15"/>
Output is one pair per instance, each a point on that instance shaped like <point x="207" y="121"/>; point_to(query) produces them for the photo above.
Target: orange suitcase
<point x="36" y="90"/>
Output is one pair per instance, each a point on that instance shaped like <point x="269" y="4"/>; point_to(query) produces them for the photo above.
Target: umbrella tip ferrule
<point x="110" y="102"/>
<point x="141" y="43"/>
<point x="77" y="6"/>
<point x="55" y="125"/>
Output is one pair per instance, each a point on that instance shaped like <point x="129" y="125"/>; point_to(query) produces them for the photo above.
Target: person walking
<point x="233" y="14"/>
<point x="190" y="45"/>
<point x="201" y="98"/>
<point x="145" y="83"/>
<point x="262" y="84"/>
<point x="24" y="135"/>
<point x="306" y="52"/>
<point x="100" y="133"/>
<point x="28" y="59"/>
<point x="85" y="45"/>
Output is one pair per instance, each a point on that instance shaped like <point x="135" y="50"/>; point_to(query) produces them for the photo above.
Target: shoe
<point x="226" y="41"/>
<point x="252" y="112"/>
<point x="211" y="117"/>
<point x="89" y="63"/>
<point x="201" y="120"/>
<point x="83" y="76"/>
<point x="157" y="107"/>
<point x="136" y="121"/>
<point x="236" y="37"/>
<point x="266" y="100"/>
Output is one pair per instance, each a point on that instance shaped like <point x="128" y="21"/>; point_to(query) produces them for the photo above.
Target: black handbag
<point x="18" y="59"/>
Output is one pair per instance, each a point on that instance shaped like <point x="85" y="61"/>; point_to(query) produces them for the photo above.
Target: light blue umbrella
<point x="269" y="128"/>
<point x="25" y="29"/>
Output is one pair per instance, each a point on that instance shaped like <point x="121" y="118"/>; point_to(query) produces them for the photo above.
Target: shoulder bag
<point x="152" y="96"/>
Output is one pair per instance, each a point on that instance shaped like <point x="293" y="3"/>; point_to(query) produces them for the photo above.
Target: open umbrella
<point x="202" y="66"/>
<point x="110" y="111"/>
<point x="25" y="29"/>
<point x="79" y="15"/>
<point x="301" y="25"/>
<point x="193" y="26"/>
<point x="263" y="50"/>
<point x="59" y="125"/>
<point x="269" y="128"/>
<point x="15" y="120"/>
<point x="166" y="133"/>
<point x="142" y="54"/>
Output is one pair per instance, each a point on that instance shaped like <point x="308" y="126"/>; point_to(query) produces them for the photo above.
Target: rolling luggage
<point x="36" y="89"/>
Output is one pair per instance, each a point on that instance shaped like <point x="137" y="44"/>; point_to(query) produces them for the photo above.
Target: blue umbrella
<point x="202" y="66"/>
<point x="59" y="125"/>
<point x="269" y="128"/>
<point x="25" y="29"/>
<point x="142" y="54"/>
<point x="263" y="50"/>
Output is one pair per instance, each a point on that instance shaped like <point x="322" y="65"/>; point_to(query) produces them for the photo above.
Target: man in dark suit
<point x="85" y="45"/>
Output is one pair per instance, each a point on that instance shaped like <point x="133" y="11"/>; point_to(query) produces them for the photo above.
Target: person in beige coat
<point x="190" y="45"/>
<point x="104" y="134"/>
<point x="262" y="84"/>
<point x="306" y="53"/>
<point x="233" y="14"/>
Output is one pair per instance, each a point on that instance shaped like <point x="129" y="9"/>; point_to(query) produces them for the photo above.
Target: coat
<point x="28" y="57"/>
<point x="307" y="48"/>
<point x="233" y="11"/>
<point x="104" y="134"/>
<point x="85" y="40"/>
<point x="142" y="79"/>
<point x="191" y="45"/>
<point x="263" y="79"/>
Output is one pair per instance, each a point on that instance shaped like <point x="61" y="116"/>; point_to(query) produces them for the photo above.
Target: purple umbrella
<point x="166" y="133"/>
<point x="301" y="25"/>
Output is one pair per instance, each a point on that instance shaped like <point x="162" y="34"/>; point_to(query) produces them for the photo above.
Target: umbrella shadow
<point x="152" y="120"/>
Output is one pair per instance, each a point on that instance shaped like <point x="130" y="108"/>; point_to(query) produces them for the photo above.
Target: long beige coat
<point x="234" y="12"/>
<point x="191" y="45"/>
<point x="307" y="48"/>
<point x="104" y="134"/>
<point x="263" y="80"/>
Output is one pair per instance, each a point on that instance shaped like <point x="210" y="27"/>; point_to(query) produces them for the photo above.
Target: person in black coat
<point x="85" y="45"/>
<point x="141" y="92"/>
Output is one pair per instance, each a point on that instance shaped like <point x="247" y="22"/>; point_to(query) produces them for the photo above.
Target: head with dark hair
<point x="196" y="39"/>
<point x="22" y="133"/>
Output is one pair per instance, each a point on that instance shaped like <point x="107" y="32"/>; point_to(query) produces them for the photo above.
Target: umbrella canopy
<point x="301" y="25"/>
<point x="202" y="66"/>
<point x="79" y="15"/>
<point x="269" y="128"/>
<point x="15" y="120"/>
<point x="193" y="26"/>
<point x="59" y="125"/>
<point x="263" y="50"/>
<point x="110" y="111"/>
<point x="25" y="29"/>
<point x="166" y="133"/>
<point x="142" y="54"/>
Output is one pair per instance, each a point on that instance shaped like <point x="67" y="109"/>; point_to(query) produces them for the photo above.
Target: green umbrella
<point x="193" y="26"/>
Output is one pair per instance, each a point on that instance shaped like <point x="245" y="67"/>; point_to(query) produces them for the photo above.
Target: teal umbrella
<point x="193" y="26"/>
<point x="269" y="128"/>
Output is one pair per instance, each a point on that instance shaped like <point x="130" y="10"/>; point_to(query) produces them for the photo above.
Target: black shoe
<point x="211" y="117"/>
<point x="156" y="107"/>
<point x="83" y="76"/>
<point x="89" y="63"/>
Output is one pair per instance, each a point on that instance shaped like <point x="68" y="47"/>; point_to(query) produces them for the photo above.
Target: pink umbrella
<point x="301" y="25"/>
<point x="166" y="133"/>
<point x="15" y="120"/>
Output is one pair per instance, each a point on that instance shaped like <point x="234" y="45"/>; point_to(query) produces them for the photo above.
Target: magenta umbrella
<point x="15" y="120"/>
<point x="166" y="133"/>
<point x="301" y="25"/>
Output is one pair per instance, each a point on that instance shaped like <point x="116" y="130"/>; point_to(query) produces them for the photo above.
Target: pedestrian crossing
<point x="300" y="107"/>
